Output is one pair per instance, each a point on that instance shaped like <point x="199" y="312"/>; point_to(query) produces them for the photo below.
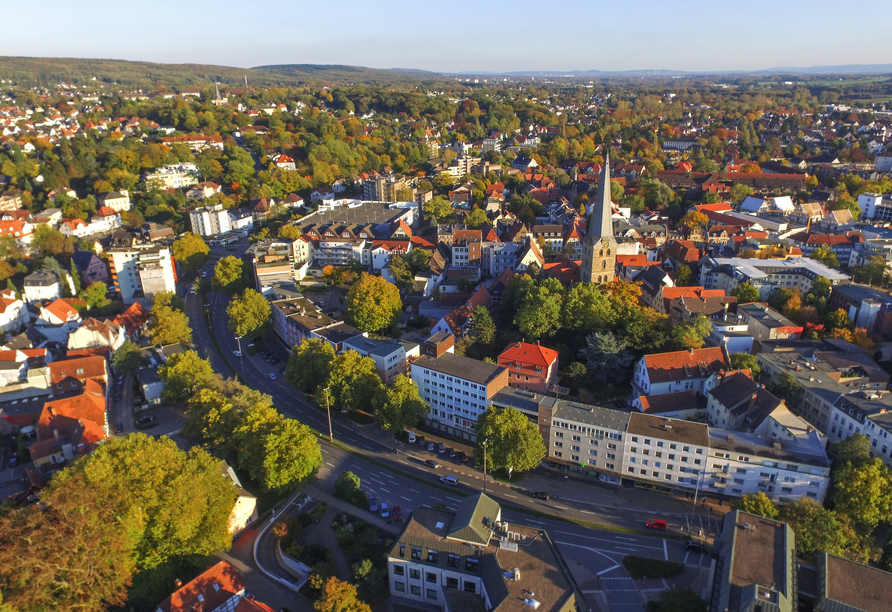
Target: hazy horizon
<point x="463" y="37"/>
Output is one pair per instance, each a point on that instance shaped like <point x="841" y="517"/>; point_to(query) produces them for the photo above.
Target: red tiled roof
<point x="719" y="207"/>
<point x="421" y="243"/>
<point x="671" y="293"/>
<point x="251" y="605"/>
<point x="209" y="590"/>
<point x="459" y="236"/>
<point x="133" y="318"/>
<point x="670" y="402"/>
<point x="86" y="406"/>
<point x="529" y="354"/>
<point x="80" y="368"/>
<point x="62" y="309"/>
<point x="666" y="367"/>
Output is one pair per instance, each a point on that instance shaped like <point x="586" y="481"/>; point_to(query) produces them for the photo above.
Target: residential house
<point x="322" y="194"/>
<point x="57" y="319"/>
<point x="14" y="313"/>
<point x="765" y="323"/>
<point x="737" y="402"/>
<point x="220" y="588"/>
<point x="90" y="268"/>
<point x="244" y="512"/>
<point x="93" y="332"/>
<point x="71" y="427"/>
<point x="210" y="220"/>
<point x="21" y="230"/>
<point x="141" y="271"/>
<point x="678" y="371"/>
<point x="203" y="190"/>
<point x="72" y="375"/>
<point x="118" y="200"/>
<point x="765" y="274"/>
<point x="531" y="366"/>
<point x="389" y="357"/>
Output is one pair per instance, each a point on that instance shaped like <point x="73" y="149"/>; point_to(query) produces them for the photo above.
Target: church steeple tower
<point x="599" y="247"/>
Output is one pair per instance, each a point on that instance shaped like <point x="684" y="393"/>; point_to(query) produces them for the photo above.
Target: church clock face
<point x="605" y="244"/>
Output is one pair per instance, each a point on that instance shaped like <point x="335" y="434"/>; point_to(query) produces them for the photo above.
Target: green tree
<point x="787" y="388"/>
<point x="745" y="361"/>
<point x="437" y="208"/>
<point x="854" y="450"/>
<point x="574" y="376"/>
<point x="476" y="219"/>
<point x="277" y="452"/>
<point x="513" y="442"/>
<point x="48" y="241"/>
<point x="756" y="503"/>
<point x="607" y="356"/>
<point x="128" y="358"/>
<point x="482" y="328"/>
<point x="347" y="485"/>
<point x="175" y="503"/>
<point x="691" y="334"/>
<point x="684" y="276"/>
<point x="310" y="364"/>
<point x="248" y="313"/>
<point x="75" y="276"/>
<point x="191" y="251"/>
<point x="863" y="492"/>
<point x="694" y="220"/>
<point x="339" y="596"/>
<point x="539" y="309"/>
<point x="183" y="374"/>
<point x="820" y="287"/>
<point x="402" y="273"/>
<point x="818" y="529"/>
<point x="372" y="303"/>
<point x="228" y="275"/>
<point x="95" y="295"/>
<point x="739" y="193"/>
<point x="398" y="406"/>
<point x="353" y="382"/>
<point x="67" y="553"/>
<point x="290" y="231"/>
<point x="168" y="324"/>
<point x="826" y="256"/>
<point x="874" y="272"/>
<point x="745" y="293"/>
<point x="837" y="319"/>
<point x="678" y="599"/>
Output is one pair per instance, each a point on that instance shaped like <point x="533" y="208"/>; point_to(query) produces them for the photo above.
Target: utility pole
<point x="696" y="491"/>
<point x="484" y="464"/>
<point x="328" y="410"/>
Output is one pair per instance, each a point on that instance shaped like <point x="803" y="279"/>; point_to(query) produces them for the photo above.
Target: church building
<point x="599" y="247"/>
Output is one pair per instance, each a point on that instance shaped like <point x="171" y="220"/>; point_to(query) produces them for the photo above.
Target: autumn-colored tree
<point x="339" y="596"/>
<point x="191" y="251"/>
<point x="372" y="303"/>
<point x="694" y="219"/>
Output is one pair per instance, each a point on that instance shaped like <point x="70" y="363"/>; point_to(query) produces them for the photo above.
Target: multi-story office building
<point x="389" y="357"/>
<point x="210" y="221"/>
<point x="458" y="390"/>
<point x="142" y="271"/>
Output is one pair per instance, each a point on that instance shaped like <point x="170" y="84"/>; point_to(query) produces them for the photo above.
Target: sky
<point x="458" y="36"/>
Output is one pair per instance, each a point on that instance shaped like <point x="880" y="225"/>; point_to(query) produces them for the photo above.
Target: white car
<point x="237" y="354"/>
<point x="272" y="376"/>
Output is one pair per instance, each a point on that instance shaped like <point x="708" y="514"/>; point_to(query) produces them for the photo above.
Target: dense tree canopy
<point x="372" y="303"/>
<point x="513" y="442"/>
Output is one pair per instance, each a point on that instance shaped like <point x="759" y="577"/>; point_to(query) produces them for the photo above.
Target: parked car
<point x="441" y="449"/>
<point x="385" y="511"/>
<point x="451" y="452"/>
<point x="432" y="463"/>
<point x="272" y="376"/>
<point x="421" y="441"/>
<point x="463" y="457"/>
<point x="411" y="435"/>
<point x="656" y="524"/>
<point x="145" y="422"/>
<point x="697" y="547"/>
<point x="373" y="504"/>
<point x="430" y="446"/>
<point x="540" y="495"/>
<point x="398" y="514"/>
<point x="237" y="353"/>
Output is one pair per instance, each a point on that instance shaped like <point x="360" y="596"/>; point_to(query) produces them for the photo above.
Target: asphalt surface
<point x="404" y="479"/>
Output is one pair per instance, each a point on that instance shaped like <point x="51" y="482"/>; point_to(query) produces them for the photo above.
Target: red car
<point x="656" y="524"/>
<point x="397" y="514"/>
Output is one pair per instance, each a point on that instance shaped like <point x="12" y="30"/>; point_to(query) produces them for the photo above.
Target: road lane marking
<point x="629" y="539"/>
<point x="406" y="498"/>
<point x="328" y="464"/>
<point x="405" y="463"/>
<point x="414" y="491"/>
<point x="579" y="535"/>
<point x="609" y="569"/>
<point x="561" y="507"/>
<point x="587" y="512"/>
<point x="539" y="522"/>
<point x="512" y="496"/>
<point x="665" y="550"/>
<point x="385" y="490"/>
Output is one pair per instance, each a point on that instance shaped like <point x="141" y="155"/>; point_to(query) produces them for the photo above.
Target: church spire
<point x="600" y="222"/>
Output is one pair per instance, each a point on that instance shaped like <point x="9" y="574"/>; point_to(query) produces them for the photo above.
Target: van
<point x="411" y="437"/>
<point x="450" y="480"/>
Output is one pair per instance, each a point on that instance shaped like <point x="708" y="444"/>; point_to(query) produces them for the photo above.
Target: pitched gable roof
<point x="209" y="590"/>
<point x="682" y="365"/>
<point x="532" y="354"/>
<point x="80" y="368"/>
<point x="85" y="406"/>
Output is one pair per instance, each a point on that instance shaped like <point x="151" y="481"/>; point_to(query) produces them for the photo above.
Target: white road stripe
<point x="665" y="550"/>
<point x="406" y="498"/>
<point x="329" y="464"/>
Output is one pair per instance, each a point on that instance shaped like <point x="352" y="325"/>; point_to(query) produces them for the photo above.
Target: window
<point x="414" y="574"/>
<point x="416" y="552"/>
<point x="400" y="586"/>
<point x="470" y="587"/>
<point x="451" y="582"/>
<point x="432" y="594"/>
<point x="430" y="577"/>
<point x="787" y="489"/>
<point x="452" y="561"/>
<point x="432" y="555"/>
<point x="471" y="565"/>
<point x="574" y="449"/>
<point x="416" y="590"/>
<point x="399" y="570"/>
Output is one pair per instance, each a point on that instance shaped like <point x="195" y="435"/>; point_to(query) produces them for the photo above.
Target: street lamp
<point x="696" y="491"/>
<point x="328" y="410"/>
<point x="485" y="442"/>
<point x="241" y="356"/>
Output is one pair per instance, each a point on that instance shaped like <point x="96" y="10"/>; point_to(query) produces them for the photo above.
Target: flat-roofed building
<point x="389" y="357"/>
<point x="765" y="323"/>
<point x="458" y="390"/>
<point x="755" y="566"/>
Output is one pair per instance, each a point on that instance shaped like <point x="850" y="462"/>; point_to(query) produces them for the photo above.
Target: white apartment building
<point x="496" y="257"/>
<point x="210" y="221"/>
<point x="457" y="389"/>
<point x="590" y="435"/>
<point x="875" y="206"/>
<point x="174" y="176"/>
<point x="42" y="285"/>
<point x="140" y="272"/>
<point x="765" y="274"/>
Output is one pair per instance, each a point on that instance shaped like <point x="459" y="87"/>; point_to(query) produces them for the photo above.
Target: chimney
<point x="725" y="314"/>
<point x="56" y="436"/>
<point x="177" y="583"/>
<point x="691" y="351"/>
